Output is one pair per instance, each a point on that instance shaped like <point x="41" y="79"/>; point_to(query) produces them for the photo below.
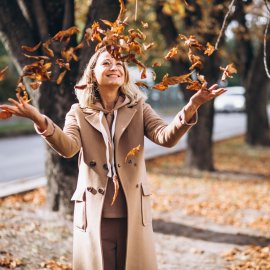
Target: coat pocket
<point x="80" y="220"/>
<point x="146" y="204"/>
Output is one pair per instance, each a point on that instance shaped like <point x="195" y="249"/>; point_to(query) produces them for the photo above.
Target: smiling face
<point x="109" y="71"/>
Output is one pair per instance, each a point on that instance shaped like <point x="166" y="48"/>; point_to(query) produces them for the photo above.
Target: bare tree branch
<point x="224" y="24"/>
<point x="265" y="49"/>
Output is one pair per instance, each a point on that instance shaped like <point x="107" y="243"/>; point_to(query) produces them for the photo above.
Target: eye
<point x="106" y="63"/>
<point x="119" y="64"/>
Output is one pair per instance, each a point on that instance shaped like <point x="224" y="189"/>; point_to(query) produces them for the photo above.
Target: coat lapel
<point x="124" y="117"/>
<point x="93" y="120"/>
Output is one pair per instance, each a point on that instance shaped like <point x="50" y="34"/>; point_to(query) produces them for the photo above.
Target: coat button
<point x="101" y="191"/>
<point x="118" y="165"/>
<point x="129" y="161"/>
<point x="92" y="190"/>
<point x="105" y="166"/>
<point x="92" y="163"/>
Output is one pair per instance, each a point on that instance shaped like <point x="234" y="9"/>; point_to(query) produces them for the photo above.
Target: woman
<point x="112" y="216"/>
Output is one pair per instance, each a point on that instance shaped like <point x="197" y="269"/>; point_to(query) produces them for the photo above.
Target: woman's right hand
<point x="23" y="109"/>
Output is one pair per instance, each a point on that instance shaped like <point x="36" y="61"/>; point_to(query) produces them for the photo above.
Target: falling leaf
<point x="3" y="73"/>
<point x="31" y="49"/>
<point x="61" y="77"/>
<point x="80" y="87"/>
<point x="42" y="57"/>
<point x="48" y="50"/>
<point x="166" y="81"/>
<point x="144" y="24"/>
<point x="4" y="114"/>
<point x="62" y="64"/>
<point x="172" y="53"/>
<point x="65" y="34"/>
<point x="156" y="64"/>
<point x="194" y="86"/>
<point x="154" y="75"/>
<point x="148" y="46"/>
<point x="210" y="49"/>
<point x="116" y="188"/>
<point x="142" y="84"/>
<point x="134" y="151"/>
<point x="228" y="71"/>
<point x="35" y="85"/>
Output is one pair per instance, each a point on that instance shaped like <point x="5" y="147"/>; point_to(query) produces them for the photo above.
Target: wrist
<point x="40" y="122"/>
<point x="192" y="106"/>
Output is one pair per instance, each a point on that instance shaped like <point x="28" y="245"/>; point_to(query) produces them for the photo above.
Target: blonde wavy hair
<point x="86" y="89"/>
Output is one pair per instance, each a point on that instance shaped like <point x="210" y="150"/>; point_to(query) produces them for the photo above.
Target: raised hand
<point x="206" y="94"/>
<point x="23" y="109"/>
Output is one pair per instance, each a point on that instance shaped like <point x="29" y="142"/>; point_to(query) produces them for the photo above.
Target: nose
<point x="113" y="66"/>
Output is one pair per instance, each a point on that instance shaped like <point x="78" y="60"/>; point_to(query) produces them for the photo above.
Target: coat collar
<point x="124" y="117"/>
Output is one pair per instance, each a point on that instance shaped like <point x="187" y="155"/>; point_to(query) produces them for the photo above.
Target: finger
<point x="9" y="108"/>
<point x="20" y="99"/>
<point x="204" y="86"/>
<point x="219" y="91"/>
<point x="213" y="87"/>
<point x="13" y="101"/>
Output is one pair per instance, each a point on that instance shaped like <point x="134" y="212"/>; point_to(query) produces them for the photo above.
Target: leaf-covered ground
<point x="202" y="220"/>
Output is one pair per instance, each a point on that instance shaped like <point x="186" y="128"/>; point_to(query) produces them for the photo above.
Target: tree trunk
<point x="258" y="132"/>
<point x="38" y="21"/>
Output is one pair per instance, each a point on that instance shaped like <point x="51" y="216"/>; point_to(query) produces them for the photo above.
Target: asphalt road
<point x="24" y="157"/>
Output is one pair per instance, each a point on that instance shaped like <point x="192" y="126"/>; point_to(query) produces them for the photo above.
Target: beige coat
<point x="82" y="133"/>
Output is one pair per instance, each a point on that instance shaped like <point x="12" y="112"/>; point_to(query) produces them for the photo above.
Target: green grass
<point x="16" y="127"/>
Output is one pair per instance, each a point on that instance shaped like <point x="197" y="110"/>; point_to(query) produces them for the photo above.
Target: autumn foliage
<point x="123" y="43"/>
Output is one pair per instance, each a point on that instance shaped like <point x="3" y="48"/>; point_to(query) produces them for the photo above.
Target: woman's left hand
<point x="206" y="94"/>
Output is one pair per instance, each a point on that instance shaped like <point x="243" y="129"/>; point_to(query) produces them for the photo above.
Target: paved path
<point x="22" y="159"/>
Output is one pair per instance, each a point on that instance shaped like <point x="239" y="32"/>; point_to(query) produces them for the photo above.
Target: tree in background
<point x="250" y="20"/>
<point x="29" y="22"/>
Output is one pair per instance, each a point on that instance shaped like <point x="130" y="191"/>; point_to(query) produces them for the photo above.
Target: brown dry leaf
<point x="62" y="64"/>
<point x="156" y="64"/>
<point x="9" y="262"/>
<point x="209" y="49"/>
<point x="37" y="71"/>
<point x="144" y="24"/>
<point x="172" y="53"/>
<point x="134" y="151"/>
<point x="166" y="81"/>
<point x="42" y="57"/>
<point x="142" y="84"/>
<point x="31" y="49"/>
<point x="228" y="71"/>
<point x="116" y="188"/>
<point x="194" y="86"/>
<point x="69" y="54"/>
<point x="191" y="41"/>
<point x="35" y="85"/>
<point x="51" y="264"/>
<point x="4" y="114"/>
<point x="66" y="34"/>
<point x="48" y="50"/>
<point x="194" y="59"/>
<point x="154" y="75"/>
<point x="148" y="46"/>
<point x="61" y="77"/>
<point x="3" y="73"/>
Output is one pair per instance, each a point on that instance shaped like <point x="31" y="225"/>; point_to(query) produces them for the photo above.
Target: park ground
<point x="202" y="220"/>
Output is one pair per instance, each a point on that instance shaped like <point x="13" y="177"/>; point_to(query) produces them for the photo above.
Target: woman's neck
<point x="109" y="97"/>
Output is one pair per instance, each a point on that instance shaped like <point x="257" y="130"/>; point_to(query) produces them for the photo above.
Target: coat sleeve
<point x="66" y="142"/>
<point x="162" y="133"/>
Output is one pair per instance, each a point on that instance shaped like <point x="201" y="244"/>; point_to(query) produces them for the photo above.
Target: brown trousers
<point x="114" y="241"/>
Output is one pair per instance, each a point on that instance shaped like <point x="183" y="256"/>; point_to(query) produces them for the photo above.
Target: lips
<point x="113" y="76"/>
